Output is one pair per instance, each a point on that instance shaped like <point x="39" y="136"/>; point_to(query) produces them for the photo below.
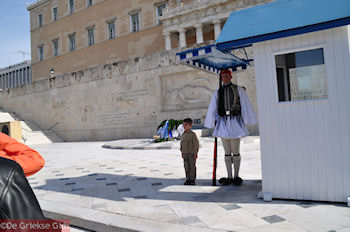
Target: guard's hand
<point x="196" y="156"/>
<point x="182" y="155"/>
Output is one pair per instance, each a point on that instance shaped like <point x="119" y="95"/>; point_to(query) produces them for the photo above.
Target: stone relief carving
<point x="186" y="93"/>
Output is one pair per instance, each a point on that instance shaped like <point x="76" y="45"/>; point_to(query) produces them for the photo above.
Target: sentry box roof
<point x="274" y="20"/>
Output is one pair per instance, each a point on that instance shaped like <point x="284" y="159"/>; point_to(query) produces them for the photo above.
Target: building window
<point x="54" y="13"/>
<point x="40" y="20"/>
<point x="160" y="9"/>
<point x="72" y="43"/>
<point x="71" y="6"/>
<point x="301" y="75"/>
<point x="41" y="52"/>
<point x="89" y="3"/>
<point x="135" y="22"/>
<point x="55" y="47"/>
<point x="91" y="36"/>
<point x="111" y="30"/>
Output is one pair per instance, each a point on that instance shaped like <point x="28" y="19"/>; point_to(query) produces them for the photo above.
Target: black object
<point x="17" y="199"/>
<point x="229" y="101"/>
<point x="5" y="130"/>
<point x="226" y="181"/>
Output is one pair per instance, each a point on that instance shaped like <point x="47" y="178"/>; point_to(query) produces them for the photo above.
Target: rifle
<point x="215" y="162"/>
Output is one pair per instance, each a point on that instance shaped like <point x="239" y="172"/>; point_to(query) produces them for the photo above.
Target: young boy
<point x="189" y="148"/>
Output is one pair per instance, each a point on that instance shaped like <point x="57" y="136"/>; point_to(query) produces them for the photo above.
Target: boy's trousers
<point x="190" y="166"/>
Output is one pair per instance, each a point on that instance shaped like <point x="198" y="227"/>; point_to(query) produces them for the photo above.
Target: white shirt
<point x="230" y="127"/>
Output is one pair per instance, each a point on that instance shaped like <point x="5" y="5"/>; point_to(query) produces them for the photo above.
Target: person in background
<point x="189" y="147"/>
<point x="29" y="159"/>
<point x="17" y="199"/>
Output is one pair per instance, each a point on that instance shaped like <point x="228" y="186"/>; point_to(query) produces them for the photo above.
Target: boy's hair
<point x="188" y="120"/>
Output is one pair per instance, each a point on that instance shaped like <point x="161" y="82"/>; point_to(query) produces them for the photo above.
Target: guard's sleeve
<point x="248" y="114"/>
<point x="30" y="160"/>
<point x="212" y="111"/>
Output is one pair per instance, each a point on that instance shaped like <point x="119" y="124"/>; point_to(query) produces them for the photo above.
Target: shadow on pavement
<point x="117" y="187"/>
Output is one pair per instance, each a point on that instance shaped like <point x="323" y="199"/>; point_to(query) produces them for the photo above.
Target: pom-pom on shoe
<point x="237" y="181"/>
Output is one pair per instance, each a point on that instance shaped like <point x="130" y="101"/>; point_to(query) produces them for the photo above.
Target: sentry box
<point x="301" y="52"/>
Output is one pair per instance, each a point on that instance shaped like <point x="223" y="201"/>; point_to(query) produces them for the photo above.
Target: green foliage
<point x="172" y="123"/>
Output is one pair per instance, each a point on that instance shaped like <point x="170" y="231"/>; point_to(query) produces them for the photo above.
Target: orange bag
<point x="30" y="160"/>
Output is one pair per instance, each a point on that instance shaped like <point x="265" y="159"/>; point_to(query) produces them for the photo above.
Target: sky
<point x="14" y="31"/>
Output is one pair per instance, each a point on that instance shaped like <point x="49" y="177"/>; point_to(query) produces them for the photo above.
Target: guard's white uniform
<point x="230" y="127"/>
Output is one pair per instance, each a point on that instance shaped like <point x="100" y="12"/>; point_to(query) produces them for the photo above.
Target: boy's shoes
<point x="190" y="182"/>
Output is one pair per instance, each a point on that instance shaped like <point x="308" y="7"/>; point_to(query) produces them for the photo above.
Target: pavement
<point x="102" y="189"/>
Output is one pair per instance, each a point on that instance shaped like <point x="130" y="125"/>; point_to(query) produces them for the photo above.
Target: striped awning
<point x="210" y="59"/>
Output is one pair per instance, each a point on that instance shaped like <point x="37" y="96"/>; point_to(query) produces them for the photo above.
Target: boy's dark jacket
<point x="17" y="200"/>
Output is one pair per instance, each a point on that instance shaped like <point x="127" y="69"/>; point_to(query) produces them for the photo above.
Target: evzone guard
<point x="229" y="112"/>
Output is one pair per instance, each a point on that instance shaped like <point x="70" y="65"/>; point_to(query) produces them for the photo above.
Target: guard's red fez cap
<point x="225" y="71"/>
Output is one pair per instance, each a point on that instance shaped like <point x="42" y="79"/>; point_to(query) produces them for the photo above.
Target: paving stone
<point x="108" y="184"/>
<point x="168" y="174"/>
<point x="99" y="205"/>
<point x="124" y="190"/>
<point x="156" y="184"/>
<point x="59" y="174"/>
<point x="141" y="197"/>
<point x="231" y="206"/>
<point x="190" y="220"/>
<point x="273" y="219"/>
<point x="306" y="204"/>
<point x="194" y="208"/>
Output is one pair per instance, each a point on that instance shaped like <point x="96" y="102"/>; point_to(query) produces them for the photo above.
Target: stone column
<point x="182" y="37"/>
<point x="167" y="40"/>
<point x="217" y="28"/>
<point x="199" y="34"/>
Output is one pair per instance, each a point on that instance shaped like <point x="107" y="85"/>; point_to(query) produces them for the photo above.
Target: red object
<point x="30" y="160"/>
<point x="225" y="71"/>
<point x="215" y="161"/>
